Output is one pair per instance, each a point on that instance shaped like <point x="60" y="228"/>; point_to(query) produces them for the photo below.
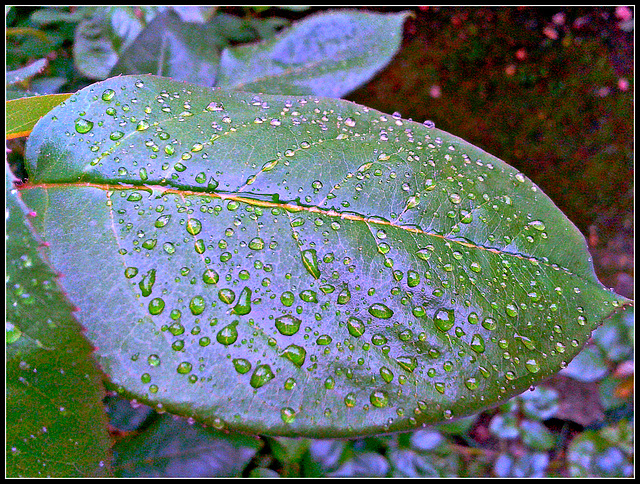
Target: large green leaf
<point x="55" y="421"/>
<point x="301" y="265"/>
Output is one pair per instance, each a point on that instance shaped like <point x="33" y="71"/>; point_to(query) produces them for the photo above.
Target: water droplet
<point x="378" y="339"/>
<point x="108" y="94"/>
<point x="256" y="244"/>
<point x="184" y="368"/>
<point x="162" y="220"/>
<point x="194" y="226"/>
<point x="490" y="324"/>
<point x="241" y="365"/>
<point x="381" y="311"/>
<point x="511" y="310"/>
<point x="288" y="325"/>
<point x="413" y="278"/>
<point x="287" y="298"/>
<point x="269" y="165"/>
<point x="289" y="384"/>
<point x="12" y="333"/>
<point x="532" y="366"/>
<point x="356" y="327"/>
<point x="156" y="306"/>
<point x="345" y="296"/>
<point x="210" y="276"/>
<point x="147" y="282"/>
<point x="261" y="375"/>
<point x="409" y="363"/>
<point x="379" y="399"/>
<point x="310" y="261"/>
<point x="228" y="335"/>
<point x="538" y="225"/>
<point x="227" y="295"/>
<point x="439" y="386"/>
<point x="471" y="383"/>
<point x="83" y="125"/>
<point x="116" y="135"/>
<point x="153" y="360"/>
<point x="477" y="343"/>
<point x="288" y="415"/>
<point x="309" y="296"/>
<point x="386" y="374"/>
<point x="455" y="198"/>
<point x="296" y="354"/>
<point x="350" y="399"/>
<point x="130" y="272"/>
<point x="324" y="340"/>
<point x="243" y="306"/>
<point x="197" y="305"/>
<point x="425" y="253"/>
<point x="444" y="319"/>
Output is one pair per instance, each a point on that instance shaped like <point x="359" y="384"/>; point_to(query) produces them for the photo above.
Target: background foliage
<point x="549" y="91"/>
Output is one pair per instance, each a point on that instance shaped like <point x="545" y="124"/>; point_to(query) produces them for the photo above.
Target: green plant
<point x="455" y="292"/>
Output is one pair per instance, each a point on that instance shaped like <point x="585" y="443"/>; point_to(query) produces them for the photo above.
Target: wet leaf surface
<point x="300" y="265"/>
<point x="53" y="386"/>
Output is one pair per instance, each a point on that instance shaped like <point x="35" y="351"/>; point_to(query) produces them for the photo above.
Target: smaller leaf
<point x="171" y="47"/>
<point x="536" y="435"/>
<point x="23" y="113"/>
<point x="540" y="404"/>
<point x="172" y="447"/>
<point x="24" y="73"/>
<point x="587" y="366"/>
<point x="327" y="54"/>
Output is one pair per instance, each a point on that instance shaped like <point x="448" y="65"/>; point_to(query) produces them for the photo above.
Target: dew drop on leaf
<point x="287" y="414"/>
<point x="156" y="306"/>
<point x="184" y="368"/>
<point x="228" y="335"/>
<point x="241" y="365"/>
<point x="288" y="325"/>
<point x="108" y="94"/>
<point x="379" y="399"/>
<point x="355" y="326"/>
<point x="261" y="375"/>
<point x="194" y="226"/>
<point x="444" y="319"/>
<point x="197" y="305"/>
<point x="296" y="354"/>
<point x="210" y="276"/>
<point x="310" y="262"/>
<point x="380" y="310"/>
<point x="83" y="125"/>
<point x="243" y="306"/>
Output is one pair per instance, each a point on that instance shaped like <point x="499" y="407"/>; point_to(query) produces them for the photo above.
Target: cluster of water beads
<point x="442" y="319"/>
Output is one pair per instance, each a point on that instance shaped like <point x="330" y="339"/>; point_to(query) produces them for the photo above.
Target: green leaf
<point x="173" y="447"/>
<point x="55" y="423"/>
<point x="24" y="73"/>
<point x="105" y="34"/>
<point x="174" y="48"/>
<point x="303" y="266"/>
<point x="22" y="114"/>
<point x="327" y="54"/>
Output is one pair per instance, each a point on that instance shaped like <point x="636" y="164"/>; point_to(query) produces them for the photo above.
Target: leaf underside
<point x="299" y="265"/>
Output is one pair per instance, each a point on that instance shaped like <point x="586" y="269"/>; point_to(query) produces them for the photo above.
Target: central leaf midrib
<point x="290" y="207"/>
